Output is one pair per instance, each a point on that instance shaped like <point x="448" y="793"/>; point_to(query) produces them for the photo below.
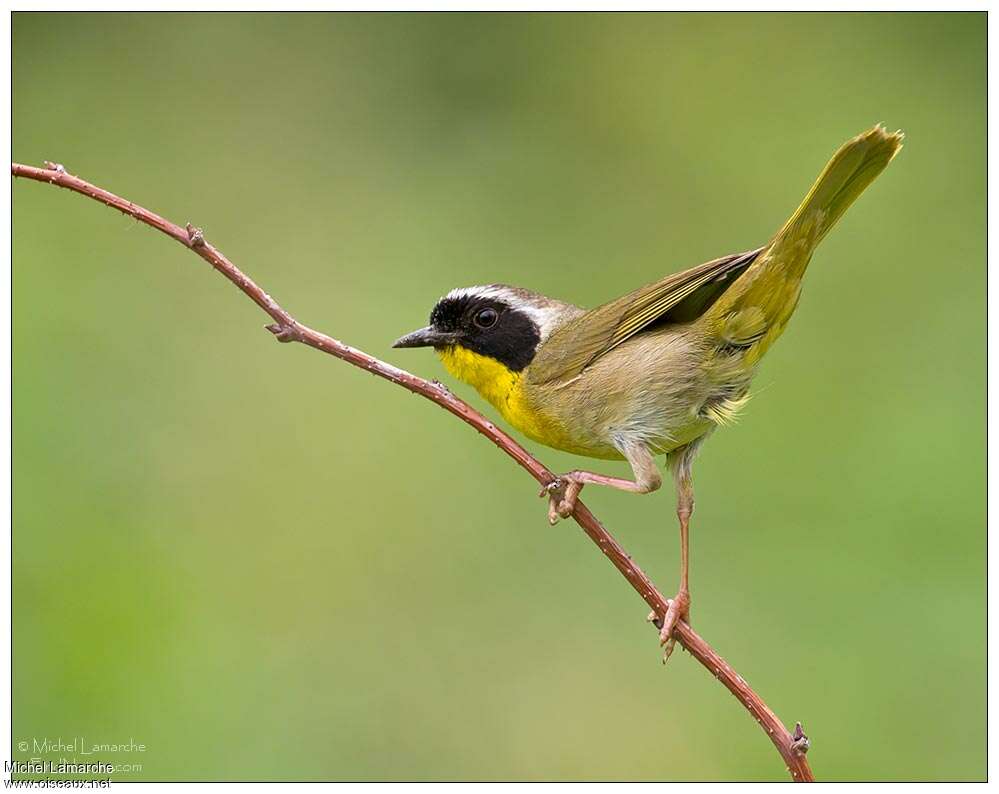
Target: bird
<point x="654" y="372"/>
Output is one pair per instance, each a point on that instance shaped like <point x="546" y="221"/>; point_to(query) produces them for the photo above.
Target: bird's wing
<point x="679" y="297"/>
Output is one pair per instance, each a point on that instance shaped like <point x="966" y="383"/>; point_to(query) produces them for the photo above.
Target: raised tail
<point x="765" y="296"/>
<point x="857" y="163"/>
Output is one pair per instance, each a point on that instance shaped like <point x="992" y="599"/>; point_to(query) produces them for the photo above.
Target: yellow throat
<point x="498" y="384"/>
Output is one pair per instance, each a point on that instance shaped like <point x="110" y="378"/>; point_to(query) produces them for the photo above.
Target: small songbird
<point x="655" y="371"/>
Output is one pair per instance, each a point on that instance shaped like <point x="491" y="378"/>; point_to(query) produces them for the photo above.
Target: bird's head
<point x="487" y="333"/>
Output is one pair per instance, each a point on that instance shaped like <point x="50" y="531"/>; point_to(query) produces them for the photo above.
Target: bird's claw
<point x="678" y="609"/>
<point x="562" y="493"/>
<point x="548" y="488"/>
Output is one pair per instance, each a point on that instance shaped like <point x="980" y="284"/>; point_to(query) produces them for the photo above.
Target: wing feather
<point x="679" y="297"/>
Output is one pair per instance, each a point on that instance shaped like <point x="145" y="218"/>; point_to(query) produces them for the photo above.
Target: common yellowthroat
<point x="655" y="371"/>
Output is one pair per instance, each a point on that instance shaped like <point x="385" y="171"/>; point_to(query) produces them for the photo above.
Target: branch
<point x="792" y="747"/>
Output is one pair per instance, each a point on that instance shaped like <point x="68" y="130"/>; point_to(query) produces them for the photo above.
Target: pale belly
<point x="659" y="391"/>
<point x="600" y="431"/>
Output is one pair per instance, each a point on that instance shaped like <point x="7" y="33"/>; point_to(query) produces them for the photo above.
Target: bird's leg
<point x="563" y="493"/>
<point x="679" y="606"/>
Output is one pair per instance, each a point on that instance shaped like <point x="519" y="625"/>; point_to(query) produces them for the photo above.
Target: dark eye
<point x="486" y="318"/>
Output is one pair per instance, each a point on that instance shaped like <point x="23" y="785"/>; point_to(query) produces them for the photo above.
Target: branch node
<point x="54" y="166"/>
<point x="284" y="332"/>
<point x="195" y="236"/>
<point x="799" y="741"/>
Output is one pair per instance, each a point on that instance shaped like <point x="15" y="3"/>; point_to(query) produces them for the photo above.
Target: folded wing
<point x="678" y="298"/>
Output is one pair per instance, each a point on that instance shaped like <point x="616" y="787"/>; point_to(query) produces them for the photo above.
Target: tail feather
<point x="857" y="163"/>
<point x="770" y="287"/>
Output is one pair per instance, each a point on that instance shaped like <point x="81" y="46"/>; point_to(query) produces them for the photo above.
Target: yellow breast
<point x="507" y="390"/>
<point x="503" y="388"/>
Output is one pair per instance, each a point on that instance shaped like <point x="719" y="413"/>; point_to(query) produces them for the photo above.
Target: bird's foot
<point x="562" y="494"/>
<point x="679" y="609"/>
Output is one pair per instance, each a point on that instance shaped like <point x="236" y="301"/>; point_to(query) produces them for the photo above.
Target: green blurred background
<point x="264" y="564"/>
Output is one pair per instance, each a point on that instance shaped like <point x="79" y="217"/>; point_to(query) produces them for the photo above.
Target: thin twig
<point x="286" y="328"/>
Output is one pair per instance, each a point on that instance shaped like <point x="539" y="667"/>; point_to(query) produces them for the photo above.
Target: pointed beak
<point x="425" y="337"/>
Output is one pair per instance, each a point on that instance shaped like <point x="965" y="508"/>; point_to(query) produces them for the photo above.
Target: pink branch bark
<point x="792" y="747"/>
